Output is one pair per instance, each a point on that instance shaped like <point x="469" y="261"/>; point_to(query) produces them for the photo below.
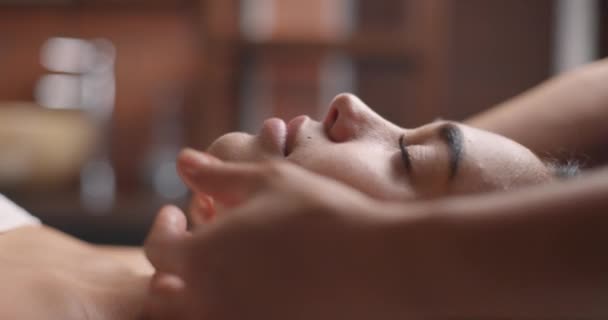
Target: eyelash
<point x="405" y="156"/>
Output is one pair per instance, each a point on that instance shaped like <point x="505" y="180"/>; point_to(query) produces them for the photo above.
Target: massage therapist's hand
<point x="292" y="245"/>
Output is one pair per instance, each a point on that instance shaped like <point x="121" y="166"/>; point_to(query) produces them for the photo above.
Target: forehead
<point x="487" y="145"/>
<point x="494" y="161"/>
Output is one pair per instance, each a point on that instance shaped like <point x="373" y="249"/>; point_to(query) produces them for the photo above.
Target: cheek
<point x="368" y="169"/>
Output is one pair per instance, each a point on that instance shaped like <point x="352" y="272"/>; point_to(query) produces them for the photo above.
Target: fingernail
<point x="206" y="205"/>
<point x="198" y="213"/>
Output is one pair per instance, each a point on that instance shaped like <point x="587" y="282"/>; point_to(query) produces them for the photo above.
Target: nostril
<point x="345" y="118"/>
<point x="330" y="119"/>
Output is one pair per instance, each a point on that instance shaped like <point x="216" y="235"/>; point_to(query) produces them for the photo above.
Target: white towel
<point x="13" y="216"/>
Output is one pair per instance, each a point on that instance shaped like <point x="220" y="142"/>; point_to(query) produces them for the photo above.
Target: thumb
<point x="229" y="183"/>
<point x="166" y="297"/>
<point x="164" y="245"/>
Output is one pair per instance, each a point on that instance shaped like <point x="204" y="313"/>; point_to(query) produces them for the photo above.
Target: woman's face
<point x="355" y="145"/>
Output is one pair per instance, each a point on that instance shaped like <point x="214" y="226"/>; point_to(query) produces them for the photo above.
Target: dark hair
<point x="564" y="169"/>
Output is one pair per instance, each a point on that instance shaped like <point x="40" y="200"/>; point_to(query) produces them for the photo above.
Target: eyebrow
<point x="451" y="134"/>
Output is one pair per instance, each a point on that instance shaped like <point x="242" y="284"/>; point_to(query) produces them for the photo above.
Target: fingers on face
<point x="166" y="297"/>
<point x="164" y="245"/>
<point x="202" y="209"/>
<point x="227" y="182"/>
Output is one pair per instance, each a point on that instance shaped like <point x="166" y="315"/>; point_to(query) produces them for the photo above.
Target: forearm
<point x="537" y="253"/>
<point x="567" y="113"/>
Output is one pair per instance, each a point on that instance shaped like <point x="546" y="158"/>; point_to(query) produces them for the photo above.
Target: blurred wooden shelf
<point x="361" y="46"/>
<point x="109" y="4"/>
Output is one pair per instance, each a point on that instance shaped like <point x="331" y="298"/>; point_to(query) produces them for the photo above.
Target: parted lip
<point x="293" y="128"/>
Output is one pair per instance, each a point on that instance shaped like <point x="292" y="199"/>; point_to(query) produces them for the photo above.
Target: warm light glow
<point x="257" y="19"/>
<point x="263" y="20"/>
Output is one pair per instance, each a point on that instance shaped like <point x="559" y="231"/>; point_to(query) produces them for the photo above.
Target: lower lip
<point x="276" y="131"/>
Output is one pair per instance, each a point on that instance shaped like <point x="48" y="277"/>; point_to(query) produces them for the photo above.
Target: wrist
<point x="434" y="252"/>
<point x="469" y="256"/>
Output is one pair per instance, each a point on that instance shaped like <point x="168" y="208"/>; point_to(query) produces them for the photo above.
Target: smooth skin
<point x="356" y="146"/>
<point x="247" y="265"/>
<point x="46" y="274"/>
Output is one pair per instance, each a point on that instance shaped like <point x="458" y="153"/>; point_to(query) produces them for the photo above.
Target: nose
<point x="348" y="118"/>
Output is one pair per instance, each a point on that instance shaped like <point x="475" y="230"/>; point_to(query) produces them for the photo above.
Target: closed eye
<point x="405" y="155"/>
<point x="452" y="136"/>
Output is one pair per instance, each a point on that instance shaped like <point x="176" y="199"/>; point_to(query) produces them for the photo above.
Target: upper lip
<point x="293" y="127"/>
